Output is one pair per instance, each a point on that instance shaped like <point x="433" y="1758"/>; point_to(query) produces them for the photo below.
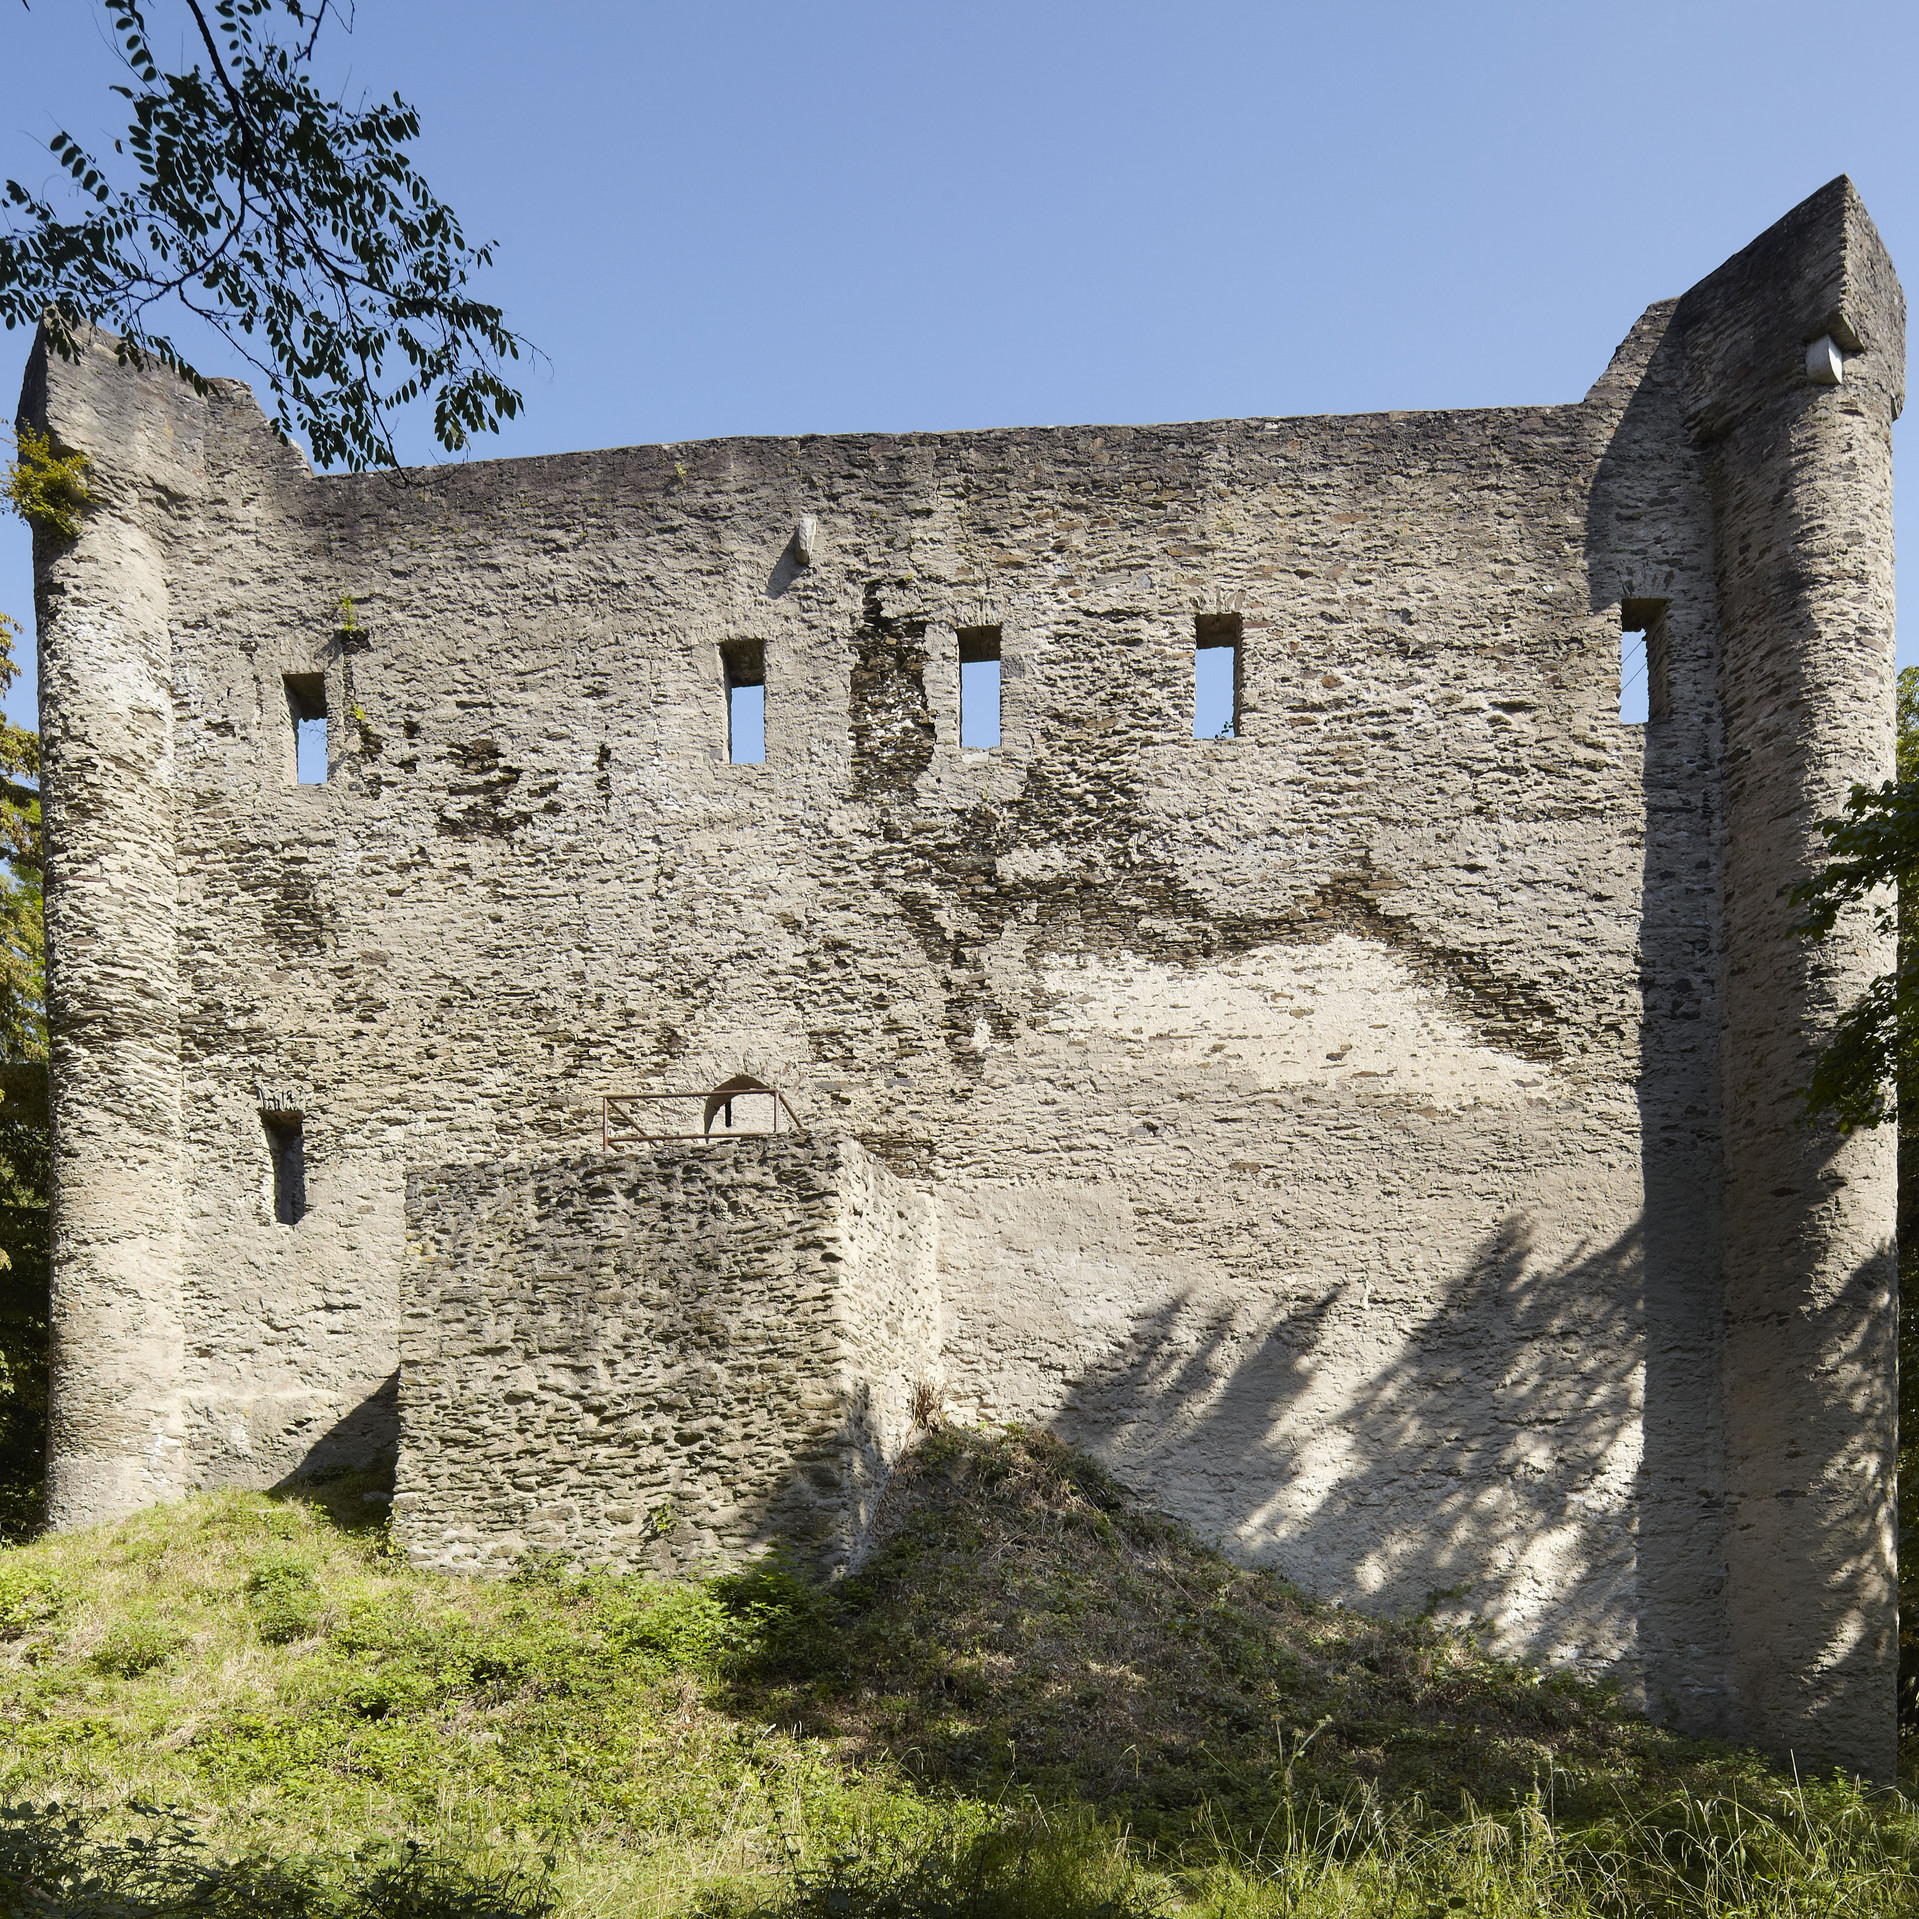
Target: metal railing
<point x="725" y="1112"/>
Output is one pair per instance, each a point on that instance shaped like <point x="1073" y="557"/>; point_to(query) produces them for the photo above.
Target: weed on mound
<point x="1025" y="1620"/>
<point x="1038" y="1700"/>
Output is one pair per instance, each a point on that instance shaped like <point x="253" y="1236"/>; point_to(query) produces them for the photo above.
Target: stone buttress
<point x="1800" y="470"/>
<point x="669" y="1361"/>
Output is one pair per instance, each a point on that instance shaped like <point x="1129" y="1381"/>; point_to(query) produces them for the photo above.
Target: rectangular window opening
<point x="744" y="663"/>
<point x="306" y="708"/>
<point x="1216" y="676"/>
<point x="979" y="685"/>
<point x="286" y="1144"/>
<point x="1645" y="691"/>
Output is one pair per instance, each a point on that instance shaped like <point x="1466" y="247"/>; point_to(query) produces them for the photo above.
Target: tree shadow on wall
<point x="1483" y="1446"/>
<point x="1811" y="1642"/>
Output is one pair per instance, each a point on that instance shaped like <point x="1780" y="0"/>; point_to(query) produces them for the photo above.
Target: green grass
<point x="1037" y="1699"/>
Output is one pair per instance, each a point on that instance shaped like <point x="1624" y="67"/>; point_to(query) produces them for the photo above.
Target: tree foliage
<point x="23" y="946"/>
<point x="296" y="226"/>
<point x="1873" y="861"/>
<point x="25" y="1142"/>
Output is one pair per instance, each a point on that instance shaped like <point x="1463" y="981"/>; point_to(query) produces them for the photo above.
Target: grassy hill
<point x="1038" y="1698"/>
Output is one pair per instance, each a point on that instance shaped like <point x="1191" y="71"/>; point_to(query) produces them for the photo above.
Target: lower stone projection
<point x="669" y="1362"/>
<point x="1347" y="1054"/>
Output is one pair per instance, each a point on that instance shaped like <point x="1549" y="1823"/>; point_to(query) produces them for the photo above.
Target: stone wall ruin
<point x="1371" y="1133"/>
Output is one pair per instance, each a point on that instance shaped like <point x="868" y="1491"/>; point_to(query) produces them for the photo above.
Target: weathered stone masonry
<point x="663" y="1360"/>
<point x="1372" y="1134"/>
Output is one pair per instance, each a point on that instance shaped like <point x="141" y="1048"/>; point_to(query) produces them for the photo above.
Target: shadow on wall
<point x="1650" y="563"/>
<point x="624" y="1508"/>
<point x="1483" y="1449"/>
<point x="816" y="1509"/>
<point x="364" y="1440"/>
<point x="1849" y="1592"/>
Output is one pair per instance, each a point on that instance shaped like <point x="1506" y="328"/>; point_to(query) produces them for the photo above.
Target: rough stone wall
<point x="666" y="1361"/>
<point x="1801" y="477"/>
<point x="1362" y="1131"/>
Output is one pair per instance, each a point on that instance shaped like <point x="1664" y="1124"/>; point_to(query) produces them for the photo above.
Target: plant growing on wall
<point x="297" y="227"/>
<point x="48" y="489"/>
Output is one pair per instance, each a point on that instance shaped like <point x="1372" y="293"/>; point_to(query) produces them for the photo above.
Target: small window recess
<point x="979" y="685"/>
<point x="306" y="708"/>
<point x="1645" y="683"/>
<point x="744" y="664"/>
<point x="1216" y="702"/>
<point x="752" y="1096"/>
<point x="286" y="1146"/>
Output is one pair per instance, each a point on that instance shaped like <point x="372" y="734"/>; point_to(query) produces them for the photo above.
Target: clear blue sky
<point x="754" y="218"/>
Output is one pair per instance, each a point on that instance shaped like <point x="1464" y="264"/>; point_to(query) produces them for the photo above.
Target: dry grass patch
<point x="1026" y="1622"/>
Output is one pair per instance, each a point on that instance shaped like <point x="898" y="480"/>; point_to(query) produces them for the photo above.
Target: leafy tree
<point x="23" y="951"/>
<point x="25" y="1184"/>
<point x="295" y="226"/>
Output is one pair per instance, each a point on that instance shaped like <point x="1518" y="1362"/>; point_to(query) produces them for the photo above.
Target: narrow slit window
<point x="306" y="708"/>
<point x="286" y="1146"/>
<point x="979" y="685"/>
<point x="1216" y="676"/>
<point x="1644" y="686"/>
<point x="744" y="662"/>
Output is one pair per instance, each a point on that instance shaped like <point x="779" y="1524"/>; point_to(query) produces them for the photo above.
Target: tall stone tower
<point x="107" y="690"/>
<point x="1794" y="373"/>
